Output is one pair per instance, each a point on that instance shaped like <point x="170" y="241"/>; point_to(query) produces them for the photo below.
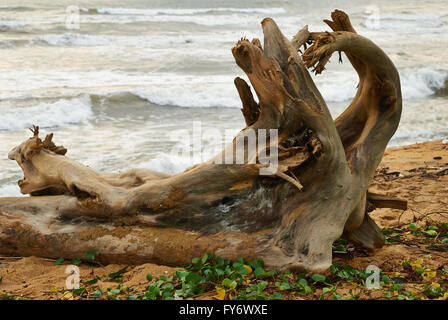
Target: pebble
<point x="445" y="141"/>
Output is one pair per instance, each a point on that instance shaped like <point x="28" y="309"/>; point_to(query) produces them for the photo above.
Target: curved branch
<point x="369" y="122"/>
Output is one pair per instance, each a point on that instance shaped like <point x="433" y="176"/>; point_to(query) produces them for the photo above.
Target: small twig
<point x="409" y="244"/>
<point x="295" y="182"/>
<point x="10" y="258"/>
<point x="429" y="213"/>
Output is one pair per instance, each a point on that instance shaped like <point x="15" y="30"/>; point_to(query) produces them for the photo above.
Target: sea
<point x="149" y="84"/>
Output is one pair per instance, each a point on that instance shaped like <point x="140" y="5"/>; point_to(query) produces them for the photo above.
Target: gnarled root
<point x="301" y="187"/>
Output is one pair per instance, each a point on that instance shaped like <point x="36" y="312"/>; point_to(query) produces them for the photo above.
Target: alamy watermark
<point x="72" y="281"/>
<point x="250" y="146"/>
<point x="373" y="280"/>
<point x="72" y="17"/>
<point x="372" y="17"/>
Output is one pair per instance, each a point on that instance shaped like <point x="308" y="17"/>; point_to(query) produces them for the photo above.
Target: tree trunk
<point x="285" y="201"/>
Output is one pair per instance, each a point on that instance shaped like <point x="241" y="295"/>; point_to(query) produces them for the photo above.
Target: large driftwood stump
<point x="316" y="194"/>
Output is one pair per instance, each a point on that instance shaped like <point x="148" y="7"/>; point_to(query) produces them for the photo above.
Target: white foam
<point x="11" y="25"/>
<point x="186" y="11"/>
<point x="169" y="163"/>
<point x="200" y="16"/>
<point x="63" y="111"/>
<point x="191" y="95"/>
<point x="420" y="82"/>
<point x="336" y="86"/>
<point x="185" y="90"/>
<point x="87" y="40"/>
<point x="405" y="21"/>
<point x="10" y="190"/>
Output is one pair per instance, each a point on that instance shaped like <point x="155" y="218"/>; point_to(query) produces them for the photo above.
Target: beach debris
<point x="286" y="202"/>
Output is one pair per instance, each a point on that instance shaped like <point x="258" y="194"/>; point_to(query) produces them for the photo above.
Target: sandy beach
<point x="417" y="173"/>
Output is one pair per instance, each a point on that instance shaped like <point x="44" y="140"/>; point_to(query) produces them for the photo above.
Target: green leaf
<point x="97" y="293"/>
<point x="114" y="291"/>
<point x="420" y="270"/>
<point x="303" y="282"/>
<point x="167" y="287"/>
<point x="242" y="270"/>
<point x="149" y="277"/>
<point x="431" y="233"/>
<point x="262" y="285"/>
<point x="181" y="274"/>
<point x="222" y="262"/>
<point x="93" y="281"/>
<point x="327" y="290"/>
<point x="90" y="255"/>
<point x="283" y="285"/>
<point x="257" y="263"/>
<point x="259" y="272"/>
<point x="277" y="296"/>
<point x="219" y="271"/>
<point x="166" y="295"/>
<point x="334" y="268"/>
<point x="193" y="278"/>
<point x="413" y="226"/>
<point x="78" y="292"/>
<point x="76" y="261"/>
<point x="229" y="283"/>
<point x="59" y="261"/>
<point x="337" y="296"/>
<point x="150" y="295"/>
<point x="196" y="264"/>
<point x="207" y="257"/>
<point x="117" y="274"/>
<point x="318" y="277"/>
<point x="237" y="265"/>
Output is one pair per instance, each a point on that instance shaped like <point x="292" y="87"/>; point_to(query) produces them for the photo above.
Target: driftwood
<point x="290" y="215"/>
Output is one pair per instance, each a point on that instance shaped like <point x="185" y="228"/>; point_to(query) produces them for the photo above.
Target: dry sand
<point x="418" y="173"/>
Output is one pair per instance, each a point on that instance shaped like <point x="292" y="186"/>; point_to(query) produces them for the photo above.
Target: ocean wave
<point x="187" y="95"/>
<point x="7" y="8"/>
<point x="189" y="90"/>
<point x="10" y="190"/>
<point x="423" y="82"/>
<point x="179" y="11"/>
<point x="87" y="40"/>
<point x="44" y="114"/>
<point x="169" y="163"/>
<point x="403" y="21"/>
<point x="415" y="83"/>
<point x="206" y="16"/>
<point x="11" y="25"/>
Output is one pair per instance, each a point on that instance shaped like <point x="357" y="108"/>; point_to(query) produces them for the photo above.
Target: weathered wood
<point x="287" y="212"/>
<point x="384" y="201"/>
<point x="301" y="38"/>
